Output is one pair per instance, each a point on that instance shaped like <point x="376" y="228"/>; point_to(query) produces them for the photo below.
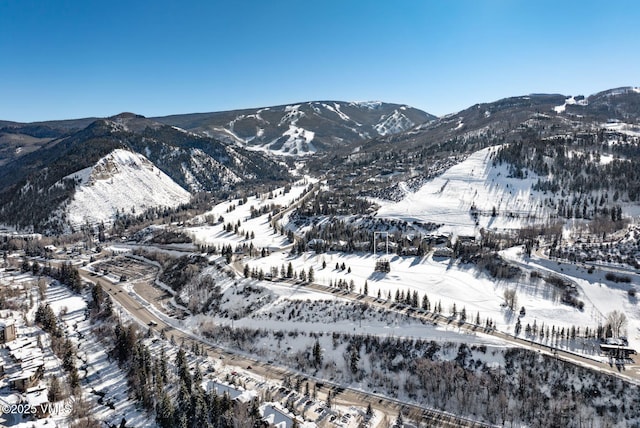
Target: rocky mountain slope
<point x="121" y="182"/>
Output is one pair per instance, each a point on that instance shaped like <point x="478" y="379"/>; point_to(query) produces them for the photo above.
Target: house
<point x="234" y="394"/>
<point x="26" y="379"/>
<point x="442" y="253"/>
<point x="278" y="418"/>
<point x="617" y="348"/>
<point x="37" y="399"/>
<point x="7" y="330"/>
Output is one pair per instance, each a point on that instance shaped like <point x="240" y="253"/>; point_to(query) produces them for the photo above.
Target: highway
<point x="342" y="396"/>
<point x="631" y="371"/>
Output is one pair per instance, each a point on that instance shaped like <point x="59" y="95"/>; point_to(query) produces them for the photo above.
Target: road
<point x="341" y="396"/>
<point x="348" y="397"/>
<point x="631" y="372"/>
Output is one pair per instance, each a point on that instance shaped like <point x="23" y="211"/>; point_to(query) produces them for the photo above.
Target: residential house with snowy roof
<point x="7" y="330"/>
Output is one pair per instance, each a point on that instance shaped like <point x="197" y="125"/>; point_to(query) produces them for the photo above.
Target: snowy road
<point x="150" y="315"/>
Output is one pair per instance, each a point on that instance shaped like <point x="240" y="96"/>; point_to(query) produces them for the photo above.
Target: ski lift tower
<point x="382" y="264"/>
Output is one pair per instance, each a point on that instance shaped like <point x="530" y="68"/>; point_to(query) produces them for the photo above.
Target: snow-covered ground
<point x="442" y="281"/>
<point x="298" y="141"/>
<point x="97" y="371"/>
<point x="393" y="123"/>
<point x="122" y="181"/>
<point x="233" y="212"/>
<point x="448" y="198"/>
<point x="601" y="295"/>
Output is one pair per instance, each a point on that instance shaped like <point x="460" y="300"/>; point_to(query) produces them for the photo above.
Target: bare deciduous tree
<point x="618" y="323"/>
<point x="511" y="298"/>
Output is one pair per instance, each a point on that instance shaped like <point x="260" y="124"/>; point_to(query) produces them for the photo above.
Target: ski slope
<point x="448" y="198"/>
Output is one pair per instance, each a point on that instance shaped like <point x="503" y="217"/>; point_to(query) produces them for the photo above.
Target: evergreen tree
<point x="425" y="303"/>
<point x="317" y="354"/>
<point x="54" y="392"/>
<point x="183" y="368"/>
<point x="164" y="411"/>
<point x="354" y="358"/>
<point x="290" y="270"/>
<point x="97" y="294"/>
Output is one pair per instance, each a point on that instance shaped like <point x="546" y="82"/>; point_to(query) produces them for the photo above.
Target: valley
<point x="478" y="269"/>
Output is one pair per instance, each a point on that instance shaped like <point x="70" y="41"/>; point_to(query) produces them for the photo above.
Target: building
<point x="615" y="349"/>
<point x="7" y="330"/>
<point x="278" y="418"/>
<point x="37" y="399"/>
<point x="28" y="378"/>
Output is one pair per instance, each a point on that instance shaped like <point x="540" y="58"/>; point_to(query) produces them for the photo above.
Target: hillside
<point x="425" y="151"/>
<point x="122" y="181"/>
<point x="35" y="185"/>
<point x="378" y="150"/>
<point x="303" y="128"/>
<point x="484" y="264"/>
<point x="471" y="195"/>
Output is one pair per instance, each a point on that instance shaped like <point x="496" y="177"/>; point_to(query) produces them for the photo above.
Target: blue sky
<point x="77" y="58"/>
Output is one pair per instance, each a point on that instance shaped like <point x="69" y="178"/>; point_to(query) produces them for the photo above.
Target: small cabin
<point x="37" y="399"/>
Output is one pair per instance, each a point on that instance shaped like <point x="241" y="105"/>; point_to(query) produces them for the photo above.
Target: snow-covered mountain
<point x="121" y="182"/>
<point x="365" y="148"/>
<point x="40" y="182"/>
<point x="304" y="128"/>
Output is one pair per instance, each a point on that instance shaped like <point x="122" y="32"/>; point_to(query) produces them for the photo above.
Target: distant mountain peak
<point x="372" y="105"/>
<point x="127" y="115"/>
<point x="303" y="128"/>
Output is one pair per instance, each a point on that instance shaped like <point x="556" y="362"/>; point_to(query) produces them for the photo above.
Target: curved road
<point x="340" y="395"/>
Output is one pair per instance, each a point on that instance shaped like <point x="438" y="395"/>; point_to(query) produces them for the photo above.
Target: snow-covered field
<point x="602" y="296"/>
<point x="442" y="281"/>
<point x="447" y="199"/>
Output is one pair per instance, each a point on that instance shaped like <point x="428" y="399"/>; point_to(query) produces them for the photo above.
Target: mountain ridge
<point x="33" y="186"/>
<point x="302" y="128"/>
<point x="35" y="158"/>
